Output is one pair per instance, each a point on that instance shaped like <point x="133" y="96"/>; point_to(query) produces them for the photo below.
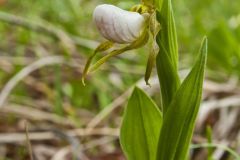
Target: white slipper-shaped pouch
<point x="118" y="25"/>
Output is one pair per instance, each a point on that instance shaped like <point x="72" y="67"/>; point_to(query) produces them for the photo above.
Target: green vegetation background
<point x="218" y="19"/>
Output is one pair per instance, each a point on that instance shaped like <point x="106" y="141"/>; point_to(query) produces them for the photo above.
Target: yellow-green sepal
<point x="154" y="29"/>
<point x="142" y="40"/>
<point x="150" y="64"/>
<point x="102" y="47"/>
<point x="148" y="2"/>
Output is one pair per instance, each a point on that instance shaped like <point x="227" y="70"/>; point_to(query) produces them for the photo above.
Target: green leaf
<point x="141" y="126"/>
<point x="179" y="120"/>
<point x="167" y="59"/>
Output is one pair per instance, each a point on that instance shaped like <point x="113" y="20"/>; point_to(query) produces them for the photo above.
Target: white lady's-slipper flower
<point x="118" y="25"/>
<point x="133" y="29"/>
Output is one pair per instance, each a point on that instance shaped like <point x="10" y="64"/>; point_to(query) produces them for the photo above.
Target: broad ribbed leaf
<point x="179" y="120"/>
<point x="141" y="126"/>
<point x="167" y="59"/>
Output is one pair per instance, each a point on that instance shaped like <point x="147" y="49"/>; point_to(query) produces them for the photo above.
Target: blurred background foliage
<point x="60" y="85"/>
<point x="218" y="19"/>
